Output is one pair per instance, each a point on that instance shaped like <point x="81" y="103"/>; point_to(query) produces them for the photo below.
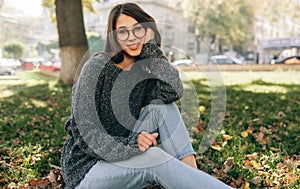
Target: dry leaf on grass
<point x="39" y="183"/>
<point x="228" y="164"/>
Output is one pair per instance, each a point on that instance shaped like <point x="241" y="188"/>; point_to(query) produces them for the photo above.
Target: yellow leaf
<point x="244" y="134"/>
<point x="227" y="137"/>
<point x="275" y="149"/>
<point x="249" y="131"/>
<point x="247" y="185"/>
<point x="255" y="164"/>
<point x="195" y="130"/>
<point x="35" y="131"/>
<point x="224" y="143"/>
<point x="244" y="147"/>
<point x="216" y="147"/>
<point x="202" y="108"/>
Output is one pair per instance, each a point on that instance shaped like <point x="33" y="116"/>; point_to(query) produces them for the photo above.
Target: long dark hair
<point x="112" y="47"/>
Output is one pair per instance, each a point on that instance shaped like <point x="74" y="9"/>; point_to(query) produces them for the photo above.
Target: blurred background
<point x="251" y="46"/>
<point x="223" y="32"/>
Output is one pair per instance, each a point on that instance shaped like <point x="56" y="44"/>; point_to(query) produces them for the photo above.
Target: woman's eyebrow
<point x="126" y="27"/>
<point x="122" y="27"/>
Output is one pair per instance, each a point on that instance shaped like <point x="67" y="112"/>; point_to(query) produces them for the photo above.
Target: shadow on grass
<point x="32" y="130"/>
<point x="262" y="123"/>
<point x="276" y="111"/>
<point x="32" y="133"/>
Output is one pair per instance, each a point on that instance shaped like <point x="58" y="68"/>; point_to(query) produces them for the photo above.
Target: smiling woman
<point x="31" y="8"/>
<point x="123" y="100"/>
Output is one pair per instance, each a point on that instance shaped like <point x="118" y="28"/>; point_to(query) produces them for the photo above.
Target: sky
<point x="29" y="7"/>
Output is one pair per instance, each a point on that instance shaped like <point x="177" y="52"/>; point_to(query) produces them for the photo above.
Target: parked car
<point x="55" y="67"/>
<point x="41" y="63"/>
<point x="287" y="60"/>
<point x="222" y="59"/>
<point x="32" y="63"/>
<point x="6" y="67"/>
<point x="15" y="63"/>
<point x="183" y="62"/>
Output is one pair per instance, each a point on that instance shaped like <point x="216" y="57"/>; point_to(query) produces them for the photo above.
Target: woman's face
<point x="130" y="35"/>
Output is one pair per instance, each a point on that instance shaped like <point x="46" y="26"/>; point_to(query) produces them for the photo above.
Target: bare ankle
<point x="190" y="160"/>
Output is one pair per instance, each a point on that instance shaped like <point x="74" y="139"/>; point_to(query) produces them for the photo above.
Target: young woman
<point x="123" y="109"/>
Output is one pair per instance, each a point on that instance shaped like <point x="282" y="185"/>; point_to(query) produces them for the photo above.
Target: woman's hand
<point x="146" y="140"/>
<point x="149" y="35"/>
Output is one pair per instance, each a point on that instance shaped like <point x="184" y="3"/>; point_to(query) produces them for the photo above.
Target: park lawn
<point x="258" y="145"/>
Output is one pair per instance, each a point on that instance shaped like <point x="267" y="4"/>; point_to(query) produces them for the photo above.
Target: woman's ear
<point x="150" y="34"/>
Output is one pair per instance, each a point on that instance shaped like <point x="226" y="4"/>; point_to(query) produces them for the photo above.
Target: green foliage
<point x="13" y="49"/>
<point x="230" y="22"/>
<point x="47" y="47"/>
<point x="33" y="111"/>
<point x="86" y="4"/>
<point x="95" y="42"/>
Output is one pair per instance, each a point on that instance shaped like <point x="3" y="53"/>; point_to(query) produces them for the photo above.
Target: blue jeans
<point x="161" y="165"/>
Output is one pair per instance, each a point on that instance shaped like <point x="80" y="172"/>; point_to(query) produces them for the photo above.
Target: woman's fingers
<point x="145" y="140"/>
<point x="142" y="149"/>
<point x="155" y="135"/>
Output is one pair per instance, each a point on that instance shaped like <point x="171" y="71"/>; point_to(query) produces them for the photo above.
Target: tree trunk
<point x="72" y="39"/>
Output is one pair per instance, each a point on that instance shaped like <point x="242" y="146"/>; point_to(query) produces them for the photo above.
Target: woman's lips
<point x="133" y="46"/>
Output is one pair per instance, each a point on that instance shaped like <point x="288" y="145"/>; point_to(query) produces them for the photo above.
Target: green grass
<point x="33" y="110"/>
<point x="262" y="105"/>
<point x="265" y="106"/>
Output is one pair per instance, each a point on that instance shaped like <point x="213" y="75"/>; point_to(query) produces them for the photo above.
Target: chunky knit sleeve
<point x="166" y="85"/>
<point x="85" y="126"/>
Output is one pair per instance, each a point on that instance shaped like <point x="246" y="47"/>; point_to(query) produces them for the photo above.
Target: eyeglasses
<point x="138" y="32"/>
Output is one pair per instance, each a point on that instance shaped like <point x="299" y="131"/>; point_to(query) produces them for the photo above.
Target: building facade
<point x="274" y="36"/>
<point x="176" y="40"/>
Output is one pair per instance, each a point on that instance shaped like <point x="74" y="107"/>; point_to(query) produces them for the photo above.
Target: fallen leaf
<point x="244" y="147"/>
<point x="249" y="131"/>
<point x="255" y="164"/>
<point x="247" y="163"/>
<point x="239" y="181"/>
<point x="251" y="156"/>
<point x="290" y="164"/>
<point x="195" y="130"/>
<point x="36" y="131"/>
<point x="244" y="134"/>
<point x="200" y="126"/>
<point x="228" y="164"/>
<point x="291" y="178"/>
<point x="260" y="138"/>
<point x="246" y="185"/>
<point x="41" y="183"/>
<point x="202" y="109"/>
<point x="224" y="143"/>
<point x="275" y="149"/>
<point x="52" y="177"/>
<point x="227" y="137"/>
<point x="281" y="115"/>
<point x="216" y="147"/>
<point x="268" y="182"/>
<point x="256" y="180"/>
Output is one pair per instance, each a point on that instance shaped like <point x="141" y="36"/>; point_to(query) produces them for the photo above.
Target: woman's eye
<point x="122" y="31"/>
<point x="138" y="28"/>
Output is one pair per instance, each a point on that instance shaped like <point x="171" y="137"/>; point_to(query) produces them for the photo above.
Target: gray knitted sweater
<point x="106" y="101"/>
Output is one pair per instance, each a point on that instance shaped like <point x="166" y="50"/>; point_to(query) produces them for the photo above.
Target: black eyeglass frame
<point x="128" y="33"/>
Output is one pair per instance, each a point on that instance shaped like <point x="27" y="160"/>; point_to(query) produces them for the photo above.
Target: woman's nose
<point x="131" y="36"/>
